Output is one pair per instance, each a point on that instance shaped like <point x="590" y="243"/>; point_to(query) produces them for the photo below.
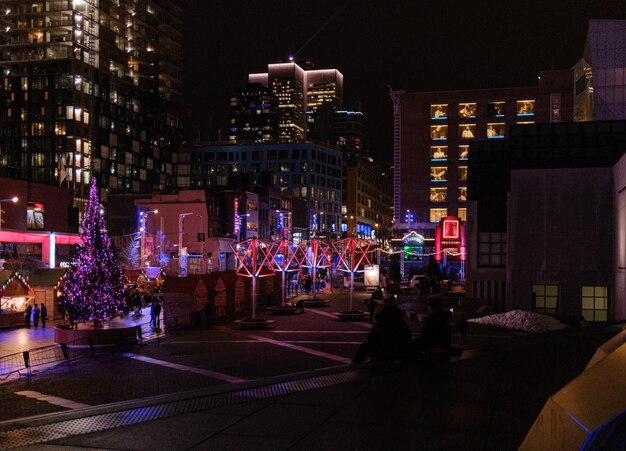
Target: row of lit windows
<point x="437" y="214"/>
<point x="441" y="194"/>
<point x="439" y="111"/>
<point x="594" y="301"/>
<point x="440" y="153"/>
<point x="468" y="131"/>
<point x="440" y="173"/>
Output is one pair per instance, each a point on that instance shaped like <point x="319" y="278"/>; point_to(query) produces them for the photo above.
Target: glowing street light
<point x="12" y="199"/>
<point x="143" y="214"/>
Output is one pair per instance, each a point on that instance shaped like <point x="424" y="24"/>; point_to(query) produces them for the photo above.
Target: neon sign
<point x="450" y="229"/>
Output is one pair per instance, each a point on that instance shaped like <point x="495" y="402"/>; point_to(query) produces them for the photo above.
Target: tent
<point x="44" y="282"/>
<point x="14" y="297"/>
<point x="588" y="412"/>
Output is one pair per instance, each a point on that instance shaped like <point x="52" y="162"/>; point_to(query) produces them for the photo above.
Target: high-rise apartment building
<point x="300" y="93"/>
<point x="253" y="115"/>
<point x="366" y="198"/>
<point x="433" y="132"/>
<point x="85" y="90"/>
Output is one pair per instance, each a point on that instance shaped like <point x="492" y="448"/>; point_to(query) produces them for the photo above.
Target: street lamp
<point x="142" y="230"/>
<point x="182" y="266"/>
<point x="202" y="270"/>
<point x="12" y="199"/>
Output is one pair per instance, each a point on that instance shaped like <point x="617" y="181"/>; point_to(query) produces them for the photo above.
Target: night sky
<point x="413" y="45"/>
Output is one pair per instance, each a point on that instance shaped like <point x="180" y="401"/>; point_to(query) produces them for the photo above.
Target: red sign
<point x="450" y="229"/>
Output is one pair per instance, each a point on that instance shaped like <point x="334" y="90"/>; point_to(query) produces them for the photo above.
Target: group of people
<point x="35" y="314"/>
<point x="390" y="337"/>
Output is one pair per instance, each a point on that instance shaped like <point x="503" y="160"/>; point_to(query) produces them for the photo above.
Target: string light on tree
<point x="93" y="287"/>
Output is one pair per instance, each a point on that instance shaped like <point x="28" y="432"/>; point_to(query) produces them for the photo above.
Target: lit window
<point x="495" y="109"/>
<point x="545" y="299"/>
<point x="495" y="130"/>
<point x="595" y="303"/>
<point x="34" y="216"/>
<point x="438" y="194"/>
<point x="467" y="131"/>
<point x="439" y="111"/>
<point x="463" y="214"/>
<point x="525" y="107"/>
<point x="439" y="132"/>
<point x="438" y="153"/>
<point x="463" y="152"/>
<point x="462" y="194"/>
<point x="467" y="110"/>
<point x="439" y="174"/>
<point x="437" y="214"/>
<point x="462" y="173"/>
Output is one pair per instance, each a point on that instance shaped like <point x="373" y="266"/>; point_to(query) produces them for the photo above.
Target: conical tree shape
<point x="93" y="288"/>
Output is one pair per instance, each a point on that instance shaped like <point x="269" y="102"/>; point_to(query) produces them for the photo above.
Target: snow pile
<point x="521" y="320"/>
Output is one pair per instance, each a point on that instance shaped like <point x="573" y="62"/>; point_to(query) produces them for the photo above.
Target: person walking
<point x="208" y="312"/>
<point x="36" y="316"/>
<point x="156" y="307"/>
<point x="27" y="313"/>
<point x="44" y="315"/>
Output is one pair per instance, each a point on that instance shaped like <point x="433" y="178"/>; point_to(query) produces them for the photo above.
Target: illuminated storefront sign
<point x="450" y="239"/>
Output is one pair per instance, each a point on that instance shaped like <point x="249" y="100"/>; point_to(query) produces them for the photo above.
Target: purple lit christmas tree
<point x="93" y="287"/>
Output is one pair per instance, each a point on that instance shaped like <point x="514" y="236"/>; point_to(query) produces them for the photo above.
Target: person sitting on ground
<point x="436" y="333"/>
<point x="388" y="339"/>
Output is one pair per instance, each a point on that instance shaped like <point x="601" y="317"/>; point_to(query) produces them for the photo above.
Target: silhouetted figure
<point x="137" y="303"/>
<point x="36" y="315"/>
<point x="461" y="328"/>
<point x="44" y="315"/>
<point x="435" y="331"/>
<point x="300" y="305"/>
<point x="156" y="307"/>
<point x="208" y="312"/>
<point x="389" y="337"/>
<point x="371" y="307"/>
<point x="27" y="313"/>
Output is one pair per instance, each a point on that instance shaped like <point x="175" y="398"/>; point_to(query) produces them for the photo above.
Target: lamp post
<point x="182" y="265"/>
<point x="12" y="199"/>
<point x="142" y="229"/>
<point x="202" y="243"/>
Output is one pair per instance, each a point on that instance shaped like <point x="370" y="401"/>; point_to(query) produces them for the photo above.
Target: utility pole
<point x="182" y="254"/>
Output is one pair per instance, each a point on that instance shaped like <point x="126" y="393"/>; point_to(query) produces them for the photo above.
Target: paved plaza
<point x="291" y="387"/>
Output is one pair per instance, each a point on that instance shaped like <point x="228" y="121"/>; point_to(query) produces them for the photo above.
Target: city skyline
<point x="375" y="46"/>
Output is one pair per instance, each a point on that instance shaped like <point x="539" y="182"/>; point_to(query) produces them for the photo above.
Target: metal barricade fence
<point x="22" y="362"/>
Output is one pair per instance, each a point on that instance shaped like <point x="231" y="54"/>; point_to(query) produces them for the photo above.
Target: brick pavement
<point x="485" y="402"/>
<point x="110" y="377"/>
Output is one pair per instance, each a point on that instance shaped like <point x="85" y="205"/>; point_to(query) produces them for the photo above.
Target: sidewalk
<point x="19" y="339"/>
<point x="486" y="400"/>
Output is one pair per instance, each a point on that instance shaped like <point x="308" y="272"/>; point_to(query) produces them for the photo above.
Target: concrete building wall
<point x="560" y="230"/>
<point x="619" y="295"/>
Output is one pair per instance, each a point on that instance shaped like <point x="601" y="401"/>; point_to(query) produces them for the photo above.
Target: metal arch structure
<point x="254" y="260"/>
<point x="286" y="257"/>
<point x="317" y="255"/>
<point x="353" y="254"/>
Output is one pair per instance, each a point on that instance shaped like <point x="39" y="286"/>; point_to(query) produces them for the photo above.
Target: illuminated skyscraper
<point x="87" y="87"/>
<point x="300" y="94"/>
